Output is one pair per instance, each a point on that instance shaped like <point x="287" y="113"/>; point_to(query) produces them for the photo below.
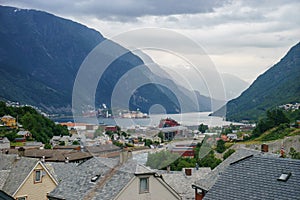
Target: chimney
<point x="188" y="171"/>
<point x="282" y="152"/>
<point x="124" y="156"/>
<point x="168" y="169"/>
<point x="264" y="148"/>
<point x="21" y="152"/>
<point x="43" y="159"/>
<point x="66" y="159"/>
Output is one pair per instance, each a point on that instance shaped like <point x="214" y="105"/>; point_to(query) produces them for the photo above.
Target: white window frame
<point x="40" y="176"/>
<point x="141" y="187"/>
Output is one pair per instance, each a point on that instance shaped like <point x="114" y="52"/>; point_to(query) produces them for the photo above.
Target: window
<point x="144" y="185"/>
<point x="38" y="176"/>
<point x="284" y="176"/>
<point x="21" y="198"/>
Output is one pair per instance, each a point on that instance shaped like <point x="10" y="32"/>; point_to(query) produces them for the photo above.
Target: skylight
<point x="284" y="176"/>
<point x="95" y="178"/>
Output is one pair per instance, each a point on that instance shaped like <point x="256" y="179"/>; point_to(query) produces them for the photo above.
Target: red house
<point x="111" y="128"/>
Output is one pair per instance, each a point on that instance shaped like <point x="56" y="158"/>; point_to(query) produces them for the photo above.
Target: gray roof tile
<point x="18" y="168"/>
<point x="75" y="180"/>
<point x="256" y="178"/>
<point x="210" y="179"/>
<point x="181" y="183"/>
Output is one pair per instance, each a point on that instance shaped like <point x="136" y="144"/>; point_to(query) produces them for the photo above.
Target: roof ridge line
<point x="101" y="183"/>
<point x="241" y="159"/>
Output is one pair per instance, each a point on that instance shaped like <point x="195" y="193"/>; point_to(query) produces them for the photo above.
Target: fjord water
<point x="185" y="119"/>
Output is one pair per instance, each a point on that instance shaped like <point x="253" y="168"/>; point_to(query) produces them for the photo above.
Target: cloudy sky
<point x="243" y="38"/>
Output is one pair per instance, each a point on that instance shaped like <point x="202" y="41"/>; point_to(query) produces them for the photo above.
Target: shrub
<point x="228" y="153"/>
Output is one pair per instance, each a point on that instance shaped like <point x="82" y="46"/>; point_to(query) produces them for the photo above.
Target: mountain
<point x="41" y="54"/>
<point x="233" y="86"/>
<point x="278" y="85"/>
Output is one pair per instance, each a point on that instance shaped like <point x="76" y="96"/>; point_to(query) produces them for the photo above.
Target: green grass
<point x="17" y="144"/>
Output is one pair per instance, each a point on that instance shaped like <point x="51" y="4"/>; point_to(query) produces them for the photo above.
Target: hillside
<point x="40" y="55"/>
<point x="278" y="85"/>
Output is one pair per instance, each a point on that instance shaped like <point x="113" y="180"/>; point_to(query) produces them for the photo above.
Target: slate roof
<point x="182" y="183"/>
<point x="117" y="182"/>
<point x="256" y="178"/>
<point x="14" y="171"/>
<point x="75" y="180"/>
<point x="210" y="179"/>
<point x="102" y="148"/>
<point x="54" y="155"/>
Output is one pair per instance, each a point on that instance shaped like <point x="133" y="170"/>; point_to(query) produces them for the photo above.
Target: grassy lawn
<point x="16" y="144"/>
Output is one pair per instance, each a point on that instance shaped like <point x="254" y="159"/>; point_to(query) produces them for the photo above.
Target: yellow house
<point x="25" y="178"/>
<point x="106" y="179"/>
<point x="9" y="121"/>
<point x="147" y="184"/>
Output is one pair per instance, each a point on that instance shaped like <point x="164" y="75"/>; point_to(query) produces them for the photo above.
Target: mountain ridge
<point x="279" y="85"/>
<point x="41" y="53"/>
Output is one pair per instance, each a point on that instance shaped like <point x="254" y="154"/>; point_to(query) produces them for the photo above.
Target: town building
<point x="4" y="143"/>
<point x="52" y="155"/>
<point x="25" y="178"/>
<point x="9" y="121"/>
<point x="258" y="177"/>
<point x="104" y="150"/>
<point x="203" y="185"/>
<point x="107" y="179"/>
<point x="181" y="181"/>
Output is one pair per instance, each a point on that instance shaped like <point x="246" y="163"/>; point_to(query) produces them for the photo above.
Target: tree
<point x="220" y="146"/>
<point x="148" y="142"/>
<point x="274" y="118"/>
<point x="209" y="161"/>
<point x="124" y="134"/>
<point x="161" y="135"/>
<point x="118" y="128"/>
<point x="202" y="128"/>
<point x="294" y="154"/>
<point x="228" y="153"/>
<point x="47" y="146"/>
<point x="75" y="142"/>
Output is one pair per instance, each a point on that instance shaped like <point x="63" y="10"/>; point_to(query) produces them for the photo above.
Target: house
<point x="4" y="143"/>
<point x="33" y="145"/>
<point x="185" y="152"/>
<point x="53" y="155"/>
<point x="172" y="131"/>
<point x="9" y="121"/>
<point x="107" y="179"/>
<point x="104" y="150"/>
<point x="181" y="181"/>
<point x="258" y="177"/>
<point x="76" y="126"/>
<point x="67" y="147"/>
<point x="203" y="185"/>
<point x="24" y="134"/>
<point x="111" y="128"/>
<point x="232" y="136"/>
<point x="22" y="177"/>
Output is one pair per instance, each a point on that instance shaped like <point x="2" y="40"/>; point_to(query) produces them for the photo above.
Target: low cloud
<point x="121" y="10"/>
